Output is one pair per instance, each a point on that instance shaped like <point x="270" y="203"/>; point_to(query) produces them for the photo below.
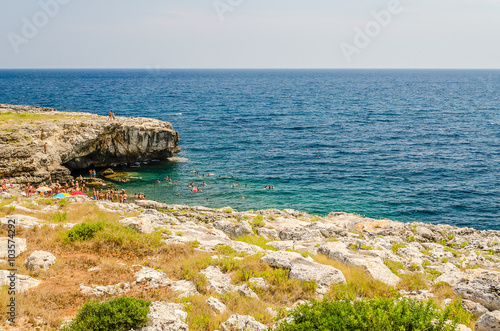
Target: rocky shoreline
<point x="41" y="145"/>
<point x="309" y="248"/>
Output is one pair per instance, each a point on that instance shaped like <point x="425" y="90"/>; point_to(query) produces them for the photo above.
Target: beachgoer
<point x="110" y="115"/>
<point x="45" y="148"/>
<point x="243" y="197"/>
<point x="114" y="117"/>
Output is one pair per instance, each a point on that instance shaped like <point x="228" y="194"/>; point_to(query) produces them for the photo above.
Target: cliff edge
<point x="41" y="145"/>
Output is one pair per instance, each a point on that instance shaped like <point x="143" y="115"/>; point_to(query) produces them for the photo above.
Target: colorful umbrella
<point x="78" y="193"/>
<point x="59" y="196"/>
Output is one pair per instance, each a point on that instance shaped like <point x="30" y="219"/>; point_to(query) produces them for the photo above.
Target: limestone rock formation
<point x="242" y="323"/>
<point x="40" y="260"/>
<point x="488" y="322"/>
<point x="98" y="291"/>
<point x="484" y="290"/>
<point x="166" y="317"/>
<point x="305" y="269"/>
<point x="17" y="246"/>
<point x="22" y="282"/>
<point x="216" y="305"/>
<point x="75" y="141"/>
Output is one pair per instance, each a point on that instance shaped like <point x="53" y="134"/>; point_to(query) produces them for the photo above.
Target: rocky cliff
<point x="75" y="141"/>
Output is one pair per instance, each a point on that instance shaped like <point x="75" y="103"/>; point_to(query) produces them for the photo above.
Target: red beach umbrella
<point x="78" y="193"/>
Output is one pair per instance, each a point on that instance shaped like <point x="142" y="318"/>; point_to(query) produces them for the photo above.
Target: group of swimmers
<point x="140" y="196"/>
<point x="167" y="179"/>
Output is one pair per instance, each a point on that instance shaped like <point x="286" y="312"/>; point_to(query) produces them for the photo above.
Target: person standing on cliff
<point x="114" y="118"/>
<point x="110" y="115"/>
<point x="45" y="148"/>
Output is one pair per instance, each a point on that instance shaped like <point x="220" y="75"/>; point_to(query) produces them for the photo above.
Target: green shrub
<point x="245" y="274"/>
<point x="415" y="266"/>
<point x="83" y="232"/>
<point x="369" y="315"/>
<point x="397" y="246"/>
<point x="258" y="220"/>
<point x="63" y="202"/>
<point x="58" y="217"/>
<point x="309" y="286"/>
<point x="120" y="314"/>
<point x="394" y="266"/>
<point x="227" y="264"/>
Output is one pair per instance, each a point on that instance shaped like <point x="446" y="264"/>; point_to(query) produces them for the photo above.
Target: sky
<point x="250" y="34"/>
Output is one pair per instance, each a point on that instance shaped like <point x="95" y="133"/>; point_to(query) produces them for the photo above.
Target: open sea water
<point x="408" y="145"/>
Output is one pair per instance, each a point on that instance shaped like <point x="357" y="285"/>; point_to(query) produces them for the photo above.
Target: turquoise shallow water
<point x="400" y="144"/>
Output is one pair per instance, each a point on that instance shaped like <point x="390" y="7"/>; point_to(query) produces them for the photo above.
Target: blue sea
<point x="408" y="145"/>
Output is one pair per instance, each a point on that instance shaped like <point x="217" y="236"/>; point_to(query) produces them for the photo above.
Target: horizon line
<point x="266" y="68"/>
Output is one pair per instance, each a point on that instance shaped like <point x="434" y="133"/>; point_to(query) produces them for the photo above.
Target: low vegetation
<point x="121" y="314"/>
<point x="369" y="315"/>
<point x="99" y="241"/>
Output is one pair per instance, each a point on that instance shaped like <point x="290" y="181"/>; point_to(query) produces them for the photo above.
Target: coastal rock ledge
<point x="75" y="141"/>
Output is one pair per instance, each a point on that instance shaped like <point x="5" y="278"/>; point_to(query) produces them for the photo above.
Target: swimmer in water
<point x="243" y="197"/>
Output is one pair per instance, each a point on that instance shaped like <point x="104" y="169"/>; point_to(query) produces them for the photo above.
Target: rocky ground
<point x="207" y="269"/>
<point x="75" y="141"/>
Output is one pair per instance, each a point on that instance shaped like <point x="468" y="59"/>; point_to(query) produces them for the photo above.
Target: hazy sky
<point x="249" y="34"/>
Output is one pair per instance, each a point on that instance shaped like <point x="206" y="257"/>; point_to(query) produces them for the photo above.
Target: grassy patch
<point x="359" y="284"/>
<point x="257" y="241"/>
<point x="397" y="246"/>
<point x="394" y="266"/>
<point x="59" y="217"/>
<point x="413" y="281"/>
